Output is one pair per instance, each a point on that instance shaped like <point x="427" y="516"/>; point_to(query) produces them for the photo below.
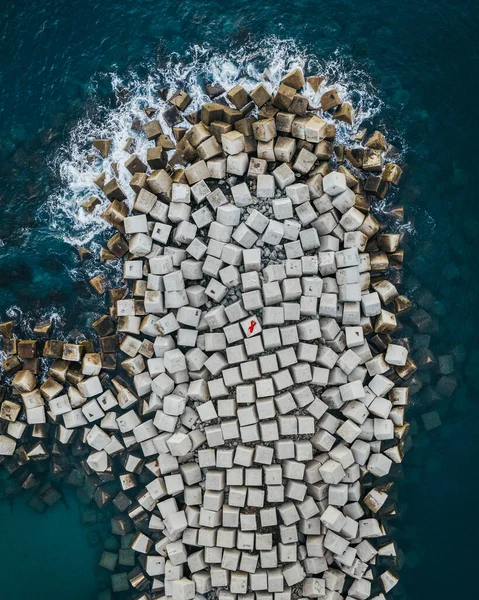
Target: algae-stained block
<point x="330" y="99"/>
<point x="113" y="190"/>
<point x="238" y="96"/>
<point x="134" y="164"/>
<point x="27" y="348"/>
<point x="138" y="181"/>
<point x="193" y="117"/>
<point x="99" y="180"/>
<point x="32" y="364"/>
<point x="299" y="105"/>
<point x="198" y="133"/>
<point x="90" y="204"/>
<point x="294" y="79"/>
<point x="264" y="130"/>
<point x="284" y="97"/>
<point x="407" y="370"/>
<point x="218" y="128"/>
<point x="6" y="329"/>
<point x="185" y="150"/>
<point x="315" y="82"/>
<point x="181" y="100"/>
<point x="72" y="352"/>
<point x="9" y="410"/>
<point x="212" y="111"/>
<point x="98" y="284"/>
<point x="376" y="186"/>
<point x="260" y="95"/>
<point x="284" y="122"/>
<point x="389" y="242"/>
<point x="59" y="369"/>
<point x="355" y="156"/>
<point x="106" y="255"/>
<point x="324" y="150"/>
<point x="23" y="381"/>
<point x="172" y="117"/>
<point x="245" y="126"/>
<point x="10" y="346"/>
<point x="179" y="133"/>
<point x="268" y="111"/>
<point x="396" y="260"/>
<point x="213" y="90"/>
<point x="109" y="344"/>
<point x="50" y="389"/>
<point x="392" y="173"/>
<point x="156" y="157"/>
<point x="377" y="141"/>
<point x="339" y="152"/>
<point x="231" y="115"/>
<point x="53" y="348"/>
<point x="209" y="148"/>
<point x="344" y="113"/>
<point x="165" y="142"/>
<point x="103" y="326"/>
<point x="159" y="182"/>
<point x="103" y="146"/>
<point x="152" y="129"/>
<point x="115" y="214"/>
<point x="349" y="178"/>
<point x="149" y="111"/>
<point x="373" y="161"/>
<point x="108" y="362"/>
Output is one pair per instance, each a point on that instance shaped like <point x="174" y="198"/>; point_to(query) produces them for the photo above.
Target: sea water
<point x="409" y="69"/>
<point x="47" y="555"/>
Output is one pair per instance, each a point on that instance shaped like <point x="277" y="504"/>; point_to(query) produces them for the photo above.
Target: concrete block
<point x="334" y="183"/>
<point x="283" y="176"/>
<point x="237" y="164"/>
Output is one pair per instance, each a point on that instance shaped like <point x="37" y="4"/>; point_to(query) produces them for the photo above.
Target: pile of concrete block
<point x="261" y="405"/>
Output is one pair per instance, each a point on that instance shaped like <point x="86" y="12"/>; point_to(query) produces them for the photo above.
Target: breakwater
<point x="258" y="420"/>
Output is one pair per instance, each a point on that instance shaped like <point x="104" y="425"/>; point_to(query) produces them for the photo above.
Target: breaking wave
<point x="76" y="165"/>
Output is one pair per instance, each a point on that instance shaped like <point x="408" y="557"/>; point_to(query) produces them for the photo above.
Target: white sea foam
<point x="381" y="209"/>
<point x="25" y="323"/>
<point x="266" y="61"/>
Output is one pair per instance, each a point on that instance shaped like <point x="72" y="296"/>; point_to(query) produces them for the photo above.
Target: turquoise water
<point x="58" y="61"/>
<point x="46" y="555"/>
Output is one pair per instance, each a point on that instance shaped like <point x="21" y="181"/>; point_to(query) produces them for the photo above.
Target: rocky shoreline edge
<point x="247" y="441"/>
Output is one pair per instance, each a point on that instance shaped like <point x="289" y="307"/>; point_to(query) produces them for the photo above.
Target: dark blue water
<point x="421" y="58"/>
